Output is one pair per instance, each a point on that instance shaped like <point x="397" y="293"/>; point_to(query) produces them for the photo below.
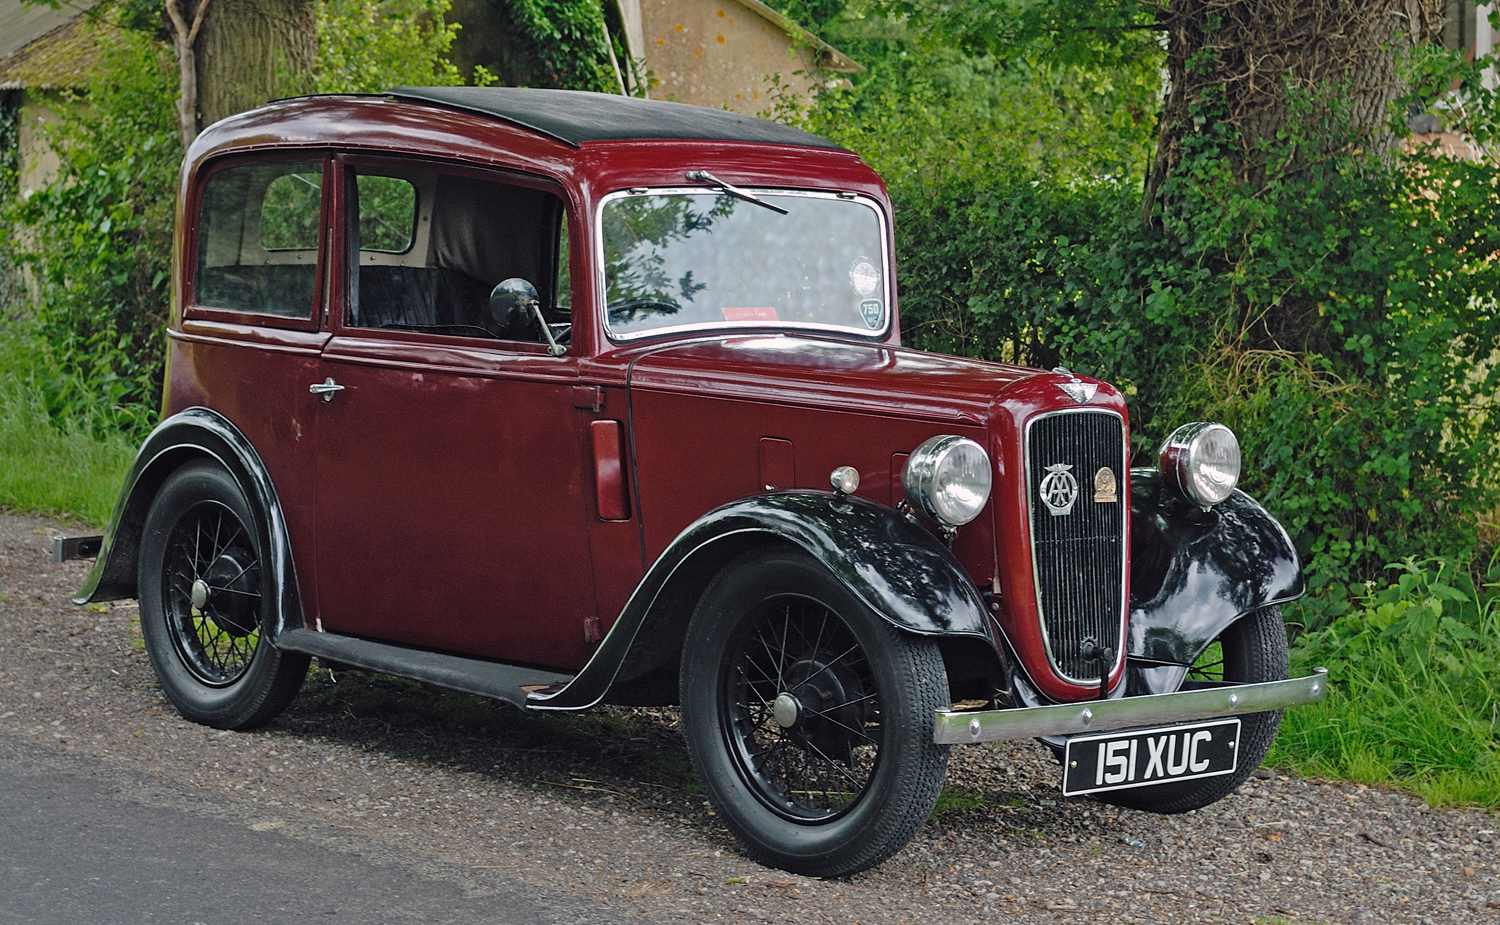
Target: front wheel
<point x="1251" y="650"/>
<point x="205" y="597"/>
<point x="809" y="718"/>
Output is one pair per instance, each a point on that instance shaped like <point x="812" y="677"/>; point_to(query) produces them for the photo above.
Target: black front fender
<point x="1194" y="572"/>
<point x="900" y="571"/>
<point x="196" y="433"/>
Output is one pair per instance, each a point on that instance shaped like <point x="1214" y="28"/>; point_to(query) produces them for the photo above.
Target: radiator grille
<point x="1078" y="556"/>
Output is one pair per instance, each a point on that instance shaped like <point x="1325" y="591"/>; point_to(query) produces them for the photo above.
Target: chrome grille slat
<point x="1078" y="558"/>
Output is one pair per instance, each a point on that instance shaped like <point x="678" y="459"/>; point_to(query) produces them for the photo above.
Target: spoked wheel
<point x="204" y="594"/>
<point x="1252" y="649"/>
<point x="212" y="588"/>
<point x="808" y="718"/>
<point x="801" y="711"/>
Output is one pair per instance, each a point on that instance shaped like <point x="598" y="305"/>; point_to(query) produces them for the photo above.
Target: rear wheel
<point x="809" y="718"/>
<point x="1250" y="650"/>
<point x="205" y="603"/>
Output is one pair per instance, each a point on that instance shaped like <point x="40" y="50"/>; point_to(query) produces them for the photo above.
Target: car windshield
<point x="700" y="258"/>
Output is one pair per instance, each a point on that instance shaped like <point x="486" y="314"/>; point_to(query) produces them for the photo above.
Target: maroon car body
<point x="450" y="500"/>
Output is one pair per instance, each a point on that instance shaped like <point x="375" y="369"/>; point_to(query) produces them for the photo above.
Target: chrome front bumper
<point x="1066" y="719"/>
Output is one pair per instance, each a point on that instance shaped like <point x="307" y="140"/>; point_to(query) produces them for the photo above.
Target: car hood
<point x="829" y="373"/>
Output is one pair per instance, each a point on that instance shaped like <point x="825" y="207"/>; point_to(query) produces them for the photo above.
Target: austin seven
<point x="568" y="399"/>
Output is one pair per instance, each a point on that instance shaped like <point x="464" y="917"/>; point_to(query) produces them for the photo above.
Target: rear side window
<point x="258" y="239"/>
<point x="387" y="214"/>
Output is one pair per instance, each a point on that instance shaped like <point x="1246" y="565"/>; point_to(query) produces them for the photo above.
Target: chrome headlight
<point x="947" y="479"/>
<point x="1202" y="462"/>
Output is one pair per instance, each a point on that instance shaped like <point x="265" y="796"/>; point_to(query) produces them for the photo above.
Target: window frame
<point x="414" y="232"/>
<point x="346" y="168"/>
<point x="1465" y="24"/>
<point x="316" y="308"/>
<point x="596" y="244"/>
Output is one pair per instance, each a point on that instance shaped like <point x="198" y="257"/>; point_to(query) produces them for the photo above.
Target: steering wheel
<point x="631" y="309"/>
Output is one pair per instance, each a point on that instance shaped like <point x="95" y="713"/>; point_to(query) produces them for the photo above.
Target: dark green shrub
<point x="988" y="271"/>
<point x="566" y="44"/>
<point x="97" y="241"/>
<point x="366" y="46"/>
<point x="1338" y="313"/>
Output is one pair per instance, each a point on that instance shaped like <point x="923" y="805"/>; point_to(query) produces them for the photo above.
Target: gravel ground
<point x="603" y="808"/>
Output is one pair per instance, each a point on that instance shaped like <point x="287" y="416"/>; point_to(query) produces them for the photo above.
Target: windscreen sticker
<point x="873" y="311"/>
<point x="863" y="277"/>
<point x="750" y="314"/>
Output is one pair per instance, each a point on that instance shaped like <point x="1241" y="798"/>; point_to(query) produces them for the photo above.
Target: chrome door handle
<point x="326" y="388"/>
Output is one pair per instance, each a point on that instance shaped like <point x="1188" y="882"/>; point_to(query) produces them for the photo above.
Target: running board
<point x="470" y="675"/>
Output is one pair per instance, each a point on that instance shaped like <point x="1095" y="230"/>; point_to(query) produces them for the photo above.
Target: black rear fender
<point x="197" y="433"/>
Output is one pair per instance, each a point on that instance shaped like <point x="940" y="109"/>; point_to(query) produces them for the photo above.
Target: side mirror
<point x="510" y="308"/>
<point x="517" y="311"/>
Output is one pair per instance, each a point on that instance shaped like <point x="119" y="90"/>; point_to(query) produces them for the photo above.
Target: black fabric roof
<point x="575" y="116"/>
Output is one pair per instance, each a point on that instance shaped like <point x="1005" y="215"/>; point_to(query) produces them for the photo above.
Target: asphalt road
<point x="80" y="850"/>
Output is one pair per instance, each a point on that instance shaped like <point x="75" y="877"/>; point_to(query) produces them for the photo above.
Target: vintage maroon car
<point x="568" y="399"/>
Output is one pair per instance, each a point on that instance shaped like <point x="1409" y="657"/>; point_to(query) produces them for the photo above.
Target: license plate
<point x="1142" y="757"/>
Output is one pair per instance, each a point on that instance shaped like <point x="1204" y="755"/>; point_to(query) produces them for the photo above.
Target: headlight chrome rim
<point x="1201" y="462"/>
<point x="948" y="480"/>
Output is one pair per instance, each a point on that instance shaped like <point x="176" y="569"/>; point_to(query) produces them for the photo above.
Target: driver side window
<point x="428" y="249"/>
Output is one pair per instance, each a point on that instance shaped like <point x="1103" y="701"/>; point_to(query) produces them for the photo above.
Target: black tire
<point x="213" y="656"/>
<point x="849" y="782"/>
<point x="1252" y="649"/>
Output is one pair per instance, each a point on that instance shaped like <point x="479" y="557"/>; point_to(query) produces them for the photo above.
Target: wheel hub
<point x="822" y="702"/>
<point x="787" y="710"/>
<point x="229" y="593"/>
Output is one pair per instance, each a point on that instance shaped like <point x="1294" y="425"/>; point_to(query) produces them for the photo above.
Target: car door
<point x="249" y="337"/>
<point x="450" y="481"/>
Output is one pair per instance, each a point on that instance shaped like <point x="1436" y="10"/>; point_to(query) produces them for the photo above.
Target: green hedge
<point x="1338" y="314"/>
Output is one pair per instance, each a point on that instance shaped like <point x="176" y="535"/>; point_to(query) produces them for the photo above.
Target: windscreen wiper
<point x="703" y="176"/>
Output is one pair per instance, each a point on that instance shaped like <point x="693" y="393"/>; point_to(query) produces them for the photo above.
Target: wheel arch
<point x="1194" y="573"/>
<point x="195" y="433"/>
<point x="897" y="569"/>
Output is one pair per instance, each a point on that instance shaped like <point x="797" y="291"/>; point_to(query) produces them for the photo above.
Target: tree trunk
<point x="184" y="41"/>
<point x="1234" y="59"/>
<point x="253" y="51"/>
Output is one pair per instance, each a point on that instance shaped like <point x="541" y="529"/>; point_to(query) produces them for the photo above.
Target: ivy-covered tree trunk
<point x="252" y="51"/>
<point x="1232" y="61"/>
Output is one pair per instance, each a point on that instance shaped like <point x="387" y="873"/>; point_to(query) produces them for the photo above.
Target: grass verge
<point x="1348" y="738"/>
<point x="1415" y="701"/>
<point x="56" y="469"/>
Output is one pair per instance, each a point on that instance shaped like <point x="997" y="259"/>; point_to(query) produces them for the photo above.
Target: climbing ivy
<point x="370" y="46"/>
<point x="571" y="37"/>
<point x="1366" y="414"/>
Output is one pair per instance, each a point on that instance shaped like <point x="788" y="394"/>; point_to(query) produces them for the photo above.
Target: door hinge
<point x="588" y="397"/>
<point x="591" y="629"/>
